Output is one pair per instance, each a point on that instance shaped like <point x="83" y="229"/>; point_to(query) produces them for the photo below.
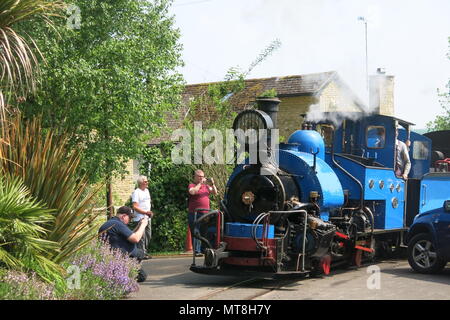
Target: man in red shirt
<point x="199" y="193"/>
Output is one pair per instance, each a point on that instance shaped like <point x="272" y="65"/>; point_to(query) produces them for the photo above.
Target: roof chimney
<point x="381" y="91"/>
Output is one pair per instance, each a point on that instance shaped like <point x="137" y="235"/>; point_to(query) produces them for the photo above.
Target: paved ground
<point x="397" y="281"/>
<point x="170" y="278"/>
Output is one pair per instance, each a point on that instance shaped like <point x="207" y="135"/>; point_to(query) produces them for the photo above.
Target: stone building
<point x="322" y="92"/>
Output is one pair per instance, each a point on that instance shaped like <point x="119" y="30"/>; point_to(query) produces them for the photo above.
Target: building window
<point x="420" y="150"/>
<point x="375" y="137"/>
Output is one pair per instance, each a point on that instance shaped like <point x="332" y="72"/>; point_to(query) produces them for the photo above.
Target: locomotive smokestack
<point x="269" y="106"/>
<point x="304" y="125"/>
<point x="307" y="125"/>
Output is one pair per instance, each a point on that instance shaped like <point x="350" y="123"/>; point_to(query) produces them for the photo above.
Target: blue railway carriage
<point x="327" y="197"/>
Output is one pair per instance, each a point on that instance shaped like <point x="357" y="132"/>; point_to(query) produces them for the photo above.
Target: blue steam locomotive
<point x="329" y="197"/>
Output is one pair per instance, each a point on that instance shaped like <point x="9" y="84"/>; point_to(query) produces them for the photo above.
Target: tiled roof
<point x="296" y="85"/>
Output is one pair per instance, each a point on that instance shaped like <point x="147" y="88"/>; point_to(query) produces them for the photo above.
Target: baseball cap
<point x="126" y="210"/>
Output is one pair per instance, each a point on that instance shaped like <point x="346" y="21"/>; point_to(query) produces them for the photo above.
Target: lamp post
<point x="363" y="19"/>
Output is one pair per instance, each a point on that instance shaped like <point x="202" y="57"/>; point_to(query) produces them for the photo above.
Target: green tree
<point x="442" y="122"/>
<point x="110" y="81"/>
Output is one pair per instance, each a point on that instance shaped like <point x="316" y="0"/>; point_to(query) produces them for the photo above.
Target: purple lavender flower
<point x="27" y="287"/>
<point x="106" y="273"/>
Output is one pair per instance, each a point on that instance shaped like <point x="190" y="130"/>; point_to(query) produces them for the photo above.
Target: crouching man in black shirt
<point x="116" y="232"/>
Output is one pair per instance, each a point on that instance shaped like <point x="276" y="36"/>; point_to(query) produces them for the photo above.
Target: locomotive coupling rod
<point x="341" y="235"/>
<point x="364" y="249"/>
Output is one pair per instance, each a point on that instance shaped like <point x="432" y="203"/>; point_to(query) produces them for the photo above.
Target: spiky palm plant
<point x="18" y="62"/>
<point x="42" y="160"/>
<point x="23" y="243"/>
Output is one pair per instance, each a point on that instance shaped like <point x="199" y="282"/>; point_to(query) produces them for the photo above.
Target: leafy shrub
<point x="16" y="285"/>
<point x="105" y="273"/>
<point x="168" y="188"/>
<point x="169" y="229"/>
<point x="42" y="160"/>
<point x="23" y="233"/>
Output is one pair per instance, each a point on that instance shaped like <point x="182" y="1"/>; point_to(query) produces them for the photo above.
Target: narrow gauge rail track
<point x="263" y="286"/>
<point x="267" y="285"/>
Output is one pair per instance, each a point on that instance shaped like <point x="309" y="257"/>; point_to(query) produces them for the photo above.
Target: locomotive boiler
<point x="327" y="197"/>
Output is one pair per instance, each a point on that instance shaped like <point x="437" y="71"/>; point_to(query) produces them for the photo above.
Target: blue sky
<point x="407" y="38"/>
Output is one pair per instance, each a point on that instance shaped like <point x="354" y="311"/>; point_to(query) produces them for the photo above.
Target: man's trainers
<point x="147" y="257"/>
<point x="142" y="276"/>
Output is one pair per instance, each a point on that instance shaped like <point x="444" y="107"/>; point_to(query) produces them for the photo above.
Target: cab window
<point x="420" y="150"/>
<point x="375" y="137"/>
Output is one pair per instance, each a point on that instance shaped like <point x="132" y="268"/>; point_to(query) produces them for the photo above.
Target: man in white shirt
<point x="402" y="162"/>
<point x="142" y="207"/>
